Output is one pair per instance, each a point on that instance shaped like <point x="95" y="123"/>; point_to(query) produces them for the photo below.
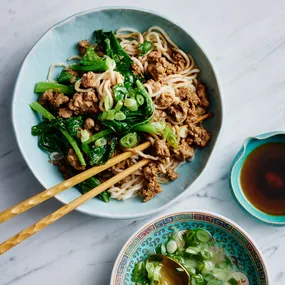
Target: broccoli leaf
<point x="145" y="47"/>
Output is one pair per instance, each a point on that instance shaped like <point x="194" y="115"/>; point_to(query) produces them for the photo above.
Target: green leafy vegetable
<point x="46" y="126"/>
<point x="90" y="184"/>
<point x="65" y="77"/>
<point x="120" y="92"/>
<point x="135" y="117"/>
<point x="51" y="142"/>
<point x="41" y="87"/>
<point x="108" y="42"/>
<point x="93" y="62"/>
<point x="99" y="155"/>
<point x="90" y="57"/>
<point x="40" y="109"/>
<point x="98" y="135"/>
<point x="73" y="125"/>
<point x="145" y="47"/>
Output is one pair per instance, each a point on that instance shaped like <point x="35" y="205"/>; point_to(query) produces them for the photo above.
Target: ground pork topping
<point x="200" y="135"/>
<point x="171" y="174"/>
<point x="136" y="69"/>
<point x="202" y="94"/>
<point x="158" y="115"/>
<point x="89" y="124"/>
<point x="164" y="100"/>
<point x="83" y="46"/>
<point x="54" y="98"/>
<point x="161" y="148"/>
<point x="73" y="160"/>
<point x="184" y="151"/>
<point x="155" y="86"/>
<point x="64" y="113"/>
<point x="84" y="103"/>
<point x="189" y="95"/>
<point x="151" y="185"/>
<point x="88" y="80"/>
<point x="159" y="66"/>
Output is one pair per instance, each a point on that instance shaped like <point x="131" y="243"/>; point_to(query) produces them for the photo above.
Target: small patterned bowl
<point x="233" y="238"/>
<point x="249" y="145"/>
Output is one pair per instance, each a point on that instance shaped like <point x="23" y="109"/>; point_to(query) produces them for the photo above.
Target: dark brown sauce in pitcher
<point x="263" y="178"/>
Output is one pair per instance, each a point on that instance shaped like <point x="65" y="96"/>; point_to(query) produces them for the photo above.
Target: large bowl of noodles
<point x="173" y="64"/>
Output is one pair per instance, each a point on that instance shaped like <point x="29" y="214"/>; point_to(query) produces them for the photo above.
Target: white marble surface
<point x="246" y="41"/>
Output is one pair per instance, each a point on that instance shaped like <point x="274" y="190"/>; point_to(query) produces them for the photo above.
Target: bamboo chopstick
<point x="51" y="192"/>
<point x="18" y="238"/>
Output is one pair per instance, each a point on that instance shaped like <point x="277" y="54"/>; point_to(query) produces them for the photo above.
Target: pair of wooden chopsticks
<point x="51" y="192"/>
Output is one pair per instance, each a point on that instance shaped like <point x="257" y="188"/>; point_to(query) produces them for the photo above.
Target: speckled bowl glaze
<point x="56" y="45"/>
<point x="249" y="145"/>
<point x="229" y="235"/>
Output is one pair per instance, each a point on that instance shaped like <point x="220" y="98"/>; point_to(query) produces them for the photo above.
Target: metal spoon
<point x="169" y="273"/>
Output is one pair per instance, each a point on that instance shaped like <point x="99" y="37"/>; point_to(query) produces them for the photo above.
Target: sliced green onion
<point x="110" y="115"/>
<point x="178" y="237"/>
<point x="103" y="116"/>
<point x="206" y="255"/>
<point x="101" y="134"/>
<point x="120" y="116"/>
<point x="203" y="235"/>
<point x="129" y="140"/>
<point x="107" y="102"/>
<point x="160" y="126"/>
<point x="101" y="142"/>
<point x="191" y="270"/>
<point x="84" y="135"/>
<point x="131" y="104"/>
<point x="170" y="137"/>
<point x="197" y="279"/>
<point x="140" y="99"/>
<point x="193" y="250"/>
<point x="163" y="249"/>
<point x="41" y="87"/>
<point x="118" y="106"/>
<point x="171" y="246"/>
<point x="205" y="267"/>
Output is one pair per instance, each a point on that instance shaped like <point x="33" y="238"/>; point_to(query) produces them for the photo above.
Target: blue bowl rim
<point x="99" y="9"/>
<point x="246" y="205"/>
<point x="194" y="211"/>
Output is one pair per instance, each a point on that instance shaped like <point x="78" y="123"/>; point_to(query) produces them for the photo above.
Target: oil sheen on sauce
<point x="263" y="178"/>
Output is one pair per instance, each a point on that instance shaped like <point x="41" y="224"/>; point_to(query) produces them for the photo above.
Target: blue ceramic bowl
<point x="249" y="145"/>
<point x="229" y="235"/>
<point x="56" y="45"/>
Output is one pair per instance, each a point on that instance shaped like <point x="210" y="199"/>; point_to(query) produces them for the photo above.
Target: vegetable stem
<point x="41" y="87"/>
<point x="101" y="134"/>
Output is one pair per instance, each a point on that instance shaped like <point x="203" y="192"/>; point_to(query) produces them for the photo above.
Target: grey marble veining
<point x="245" y="40"/>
